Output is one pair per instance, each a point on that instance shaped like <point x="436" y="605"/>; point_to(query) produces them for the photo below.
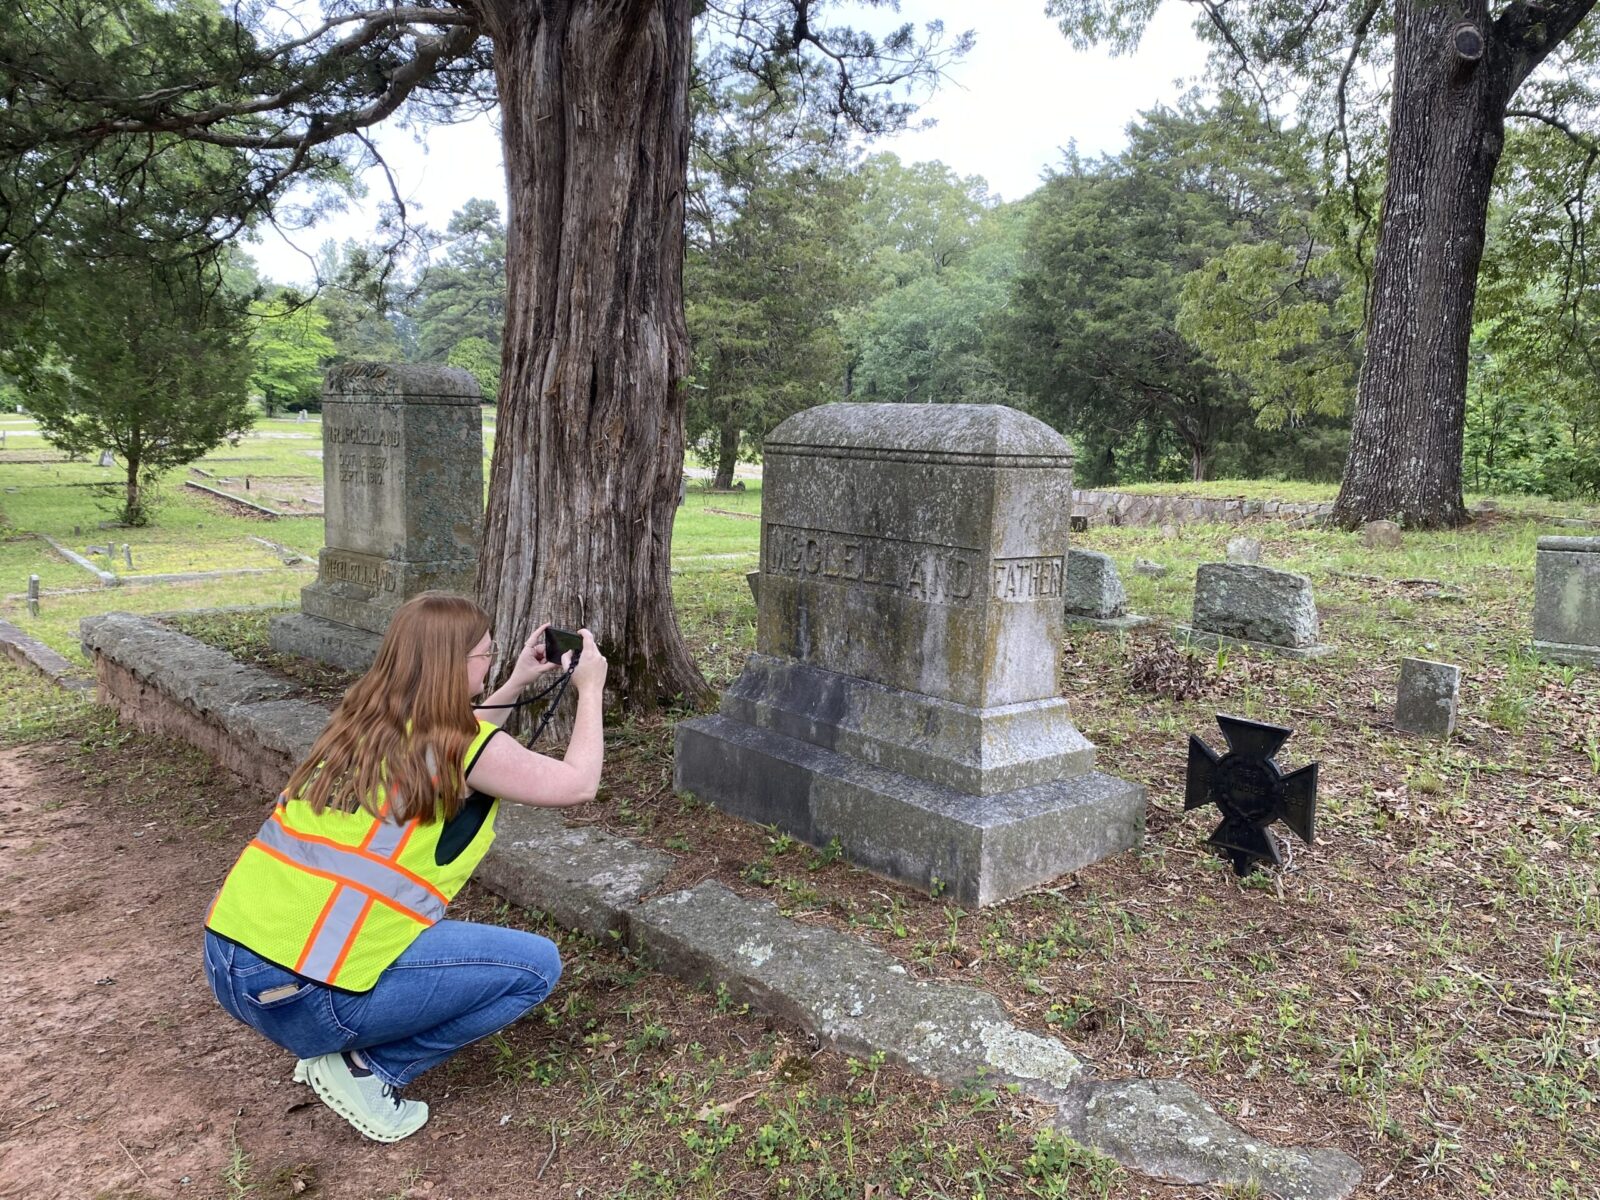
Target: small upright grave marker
<point x="1566" y="599"/>
<point x="1250" y="791"/>
<point x="1430" y="693"/>
<point x="33" y="595"/>
<point x="1095" y="595"/>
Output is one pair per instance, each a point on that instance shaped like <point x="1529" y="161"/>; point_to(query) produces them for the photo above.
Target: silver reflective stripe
<point x="337" y="926"/>
<point x="387" y="840"/>
<point x="346" y="864"/>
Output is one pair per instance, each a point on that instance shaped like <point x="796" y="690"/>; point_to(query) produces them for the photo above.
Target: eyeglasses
<point x="489" y="653"/>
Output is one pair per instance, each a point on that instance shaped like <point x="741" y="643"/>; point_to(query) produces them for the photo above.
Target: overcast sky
<point x="1005" y="112"/>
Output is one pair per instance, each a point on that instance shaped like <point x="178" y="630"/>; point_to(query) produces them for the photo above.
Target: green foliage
<point x="1255" y="310"/>
<point x="943" y="255"/>
<point x="770" y="262"/>
<point x="150" y="364"/>
<point x="463" y="297"/>
<point x="475" y="354"/>
<point x="290" y="342"/>
<point x="357" y="299"/>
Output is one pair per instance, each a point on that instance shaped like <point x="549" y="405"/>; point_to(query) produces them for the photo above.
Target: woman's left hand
<point x="531" y="663"/>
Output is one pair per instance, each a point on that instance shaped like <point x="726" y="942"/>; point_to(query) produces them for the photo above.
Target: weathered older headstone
<point x="903" y="693"/>
<point x="1095" y="595"/>
<point x="1429" y="695"/>
<point x="1254" y="606"/>
<point x="1381" y="535"/>
<point x="106" y="460"/>
<point x="1566" y="599"/>
<point x="1145" y="566"/>
<point x="753" y="578"/>
<point x="300" y="417"/>
<point x="402" y="473"/>
<point x="1244" y="550"/>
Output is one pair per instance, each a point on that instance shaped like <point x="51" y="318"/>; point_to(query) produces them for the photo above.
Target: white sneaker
<point x="360" y="1097"/>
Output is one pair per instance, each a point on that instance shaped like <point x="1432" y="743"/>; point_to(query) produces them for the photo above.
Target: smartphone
<point x="558" y="641"/>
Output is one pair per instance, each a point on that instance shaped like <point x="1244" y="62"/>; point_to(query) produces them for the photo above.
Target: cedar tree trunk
<point x="727" y="453"/>
<point x="589" y="447"/>
<point x="1446" y="131"/>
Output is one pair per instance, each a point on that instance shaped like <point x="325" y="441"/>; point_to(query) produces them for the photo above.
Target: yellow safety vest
<point x="337" y="896"/>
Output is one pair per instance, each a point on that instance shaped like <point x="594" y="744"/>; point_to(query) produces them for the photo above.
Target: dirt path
<point x="120" y="1076"/>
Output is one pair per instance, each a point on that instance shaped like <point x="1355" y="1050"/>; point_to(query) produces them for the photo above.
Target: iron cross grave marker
<point x="1250" y="791"/>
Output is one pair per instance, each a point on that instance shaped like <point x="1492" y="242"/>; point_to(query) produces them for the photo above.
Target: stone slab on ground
<point x="851" y="995"/>
<point x="106" y="578"/>
<point x="1164" y="1128"/>
<point x="325" y="641"/>
<point x="585" y="878"/>
<point x="199" y="675"/>
<point x="1188" y="635"/>
<point x="1109" y="624"/>
<point x="30" y="652"/>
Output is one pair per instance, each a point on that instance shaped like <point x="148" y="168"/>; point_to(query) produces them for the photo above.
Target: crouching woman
<point x="328" y="935"/>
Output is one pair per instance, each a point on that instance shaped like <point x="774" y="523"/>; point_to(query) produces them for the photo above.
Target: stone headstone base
<point x="1190" y="636"/>
<point x="1131" y="621"/>
<point x="324" y="641"/>
<point x="976" y="849"/>
<point x="1565" y="652"/>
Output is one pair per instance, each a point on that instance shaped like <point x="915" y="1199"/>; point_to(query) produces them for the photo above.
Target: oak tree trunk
<point x="1446" y="131"/>
<point x="589" y="448"/>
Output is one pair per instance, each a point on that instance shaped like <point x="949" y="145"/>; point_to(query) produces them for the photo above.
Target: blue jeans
<point x="456" y="983"/>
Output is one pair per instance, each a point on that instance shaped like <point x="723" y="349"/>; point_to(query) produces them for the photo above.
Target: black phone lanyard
<point x="559" y="687"/>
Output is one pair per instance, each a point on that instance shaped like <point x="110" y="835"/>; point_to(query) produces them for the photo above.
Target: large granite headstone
<point x="1243" y="604"/>
<point x="903" y="695"/>
<point x="1566" y="599"/>
<point x="402" y="472"/>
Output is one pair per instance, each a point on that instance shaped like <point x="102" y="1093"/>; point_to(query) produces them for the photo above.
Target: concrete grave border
<point x="850" y="996"/>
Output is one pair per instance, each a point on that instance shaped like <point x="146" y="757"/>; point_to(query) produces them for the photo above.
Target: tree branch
<point x="319" y="128"/>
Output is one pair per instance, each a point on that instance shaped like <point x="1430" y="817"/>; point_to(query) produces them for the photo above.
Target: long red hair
<point x="412" y="701"/>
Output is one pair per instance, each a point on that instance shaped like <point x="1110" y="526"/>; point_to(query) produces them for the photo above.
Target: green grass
<point x="70" y="501"/>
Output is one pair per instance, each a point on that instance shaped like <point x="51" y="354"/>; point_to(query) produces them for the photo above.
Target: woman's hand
<point x="591" y="670"/>
<point x="531" y="664"/>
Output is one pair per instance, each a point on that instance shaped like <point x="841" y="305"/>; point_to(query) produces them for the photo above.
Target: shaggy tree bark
<point x="727" y="453"/>
<point x="1455" y="73"/>
<point x="589" y="445"/>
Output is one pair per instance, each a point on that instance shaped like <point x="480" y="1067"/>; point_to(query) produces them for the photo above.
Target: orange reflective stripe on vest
<point x="381" y="879"/>
<point x="337" y="896"/>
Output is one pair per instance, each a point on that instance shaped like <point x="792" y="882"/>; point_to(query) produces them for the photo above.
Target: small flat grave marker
<point x="1251" y="791"/>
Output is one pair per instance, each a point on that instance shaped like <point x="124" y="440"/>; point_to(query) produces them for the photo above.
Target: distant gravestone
<point x="903" y="696"/>
<point x="753" y="578"/>
<point x="300" y="417"/>
<point x="1244" y="550"/>
<point x="1429" y="696"/>
<point x="1566" y="599"/>
<point x="1144" y="566"/>
<point x="1381" y="535"/>
<point x="1095" y="595"/>
<point x="402" y="474"/>
<point x="1254" y="606"/>
<point x="106" y="460"/>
